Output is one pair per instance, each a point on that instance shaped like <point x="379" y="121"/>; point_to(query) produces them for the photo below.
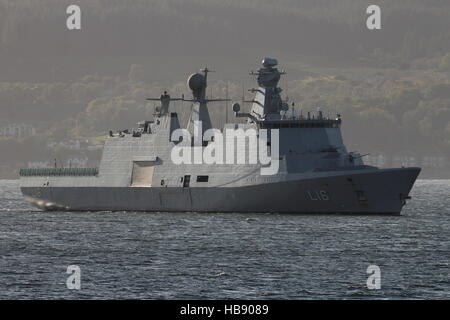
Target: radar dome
<point x="196" y="82"/>
<point x="269" y="62"/>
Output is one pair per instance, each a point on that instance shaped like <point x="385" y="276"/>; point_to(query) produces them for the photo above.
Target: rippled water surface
<point x="221" y="256"/>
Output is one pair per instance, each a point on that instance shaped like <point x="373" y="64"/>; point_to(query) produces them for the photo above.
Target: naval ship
<point x="309" y="169"/>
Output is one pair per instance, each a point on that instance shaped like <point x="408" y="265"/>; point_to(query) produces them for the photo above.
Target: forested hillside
<point x="392" y="86"/>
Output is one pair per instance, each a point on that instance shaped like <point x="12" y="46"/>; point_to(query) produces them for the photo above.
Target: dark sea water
<point x="222" y="256"/>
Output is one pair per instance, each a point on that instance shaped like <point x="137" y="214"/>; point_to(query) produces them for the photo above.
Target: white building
<point x="17" y="130"/>
<point x="77" y="163"/>
<point x="71" y="144"/>
<point x="39" y="164"/>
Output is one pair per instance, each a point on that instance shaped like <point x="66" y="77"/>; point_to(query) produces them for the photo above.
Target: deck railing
<point x="63" y="172"/>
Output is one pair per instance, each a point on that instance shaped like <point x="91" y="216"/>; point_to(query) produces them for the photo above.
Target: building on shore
<point x="17" y="130"/>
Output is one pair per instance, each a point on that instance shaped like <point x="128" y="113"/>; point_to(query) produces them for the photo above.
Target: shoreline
<point x="419" y="179"/>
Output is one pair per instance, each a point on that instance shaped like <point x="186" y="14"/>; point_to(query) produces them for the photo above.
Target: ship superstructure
<point x="308" y="168"/>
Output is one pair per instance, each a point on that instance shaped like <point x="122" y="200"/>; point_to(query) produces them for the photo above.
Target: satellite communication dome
<point x="269" y="62"/>
<point x="196" y="82"/>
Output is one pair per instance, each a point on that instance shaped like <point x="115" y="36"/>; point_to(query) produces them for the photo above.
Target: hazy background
<point x="61" y="91"/>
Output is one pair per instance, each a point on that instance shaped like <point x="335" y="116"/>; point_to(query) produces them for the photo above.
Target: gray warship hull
<point x="385" y="192"/>
<point x="304" y="166"/>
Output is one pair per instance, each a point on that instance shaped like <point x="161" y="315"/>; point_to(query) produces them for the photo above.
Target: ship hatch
<point x="142" y="173"/>
<point x="187" y="181"/>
